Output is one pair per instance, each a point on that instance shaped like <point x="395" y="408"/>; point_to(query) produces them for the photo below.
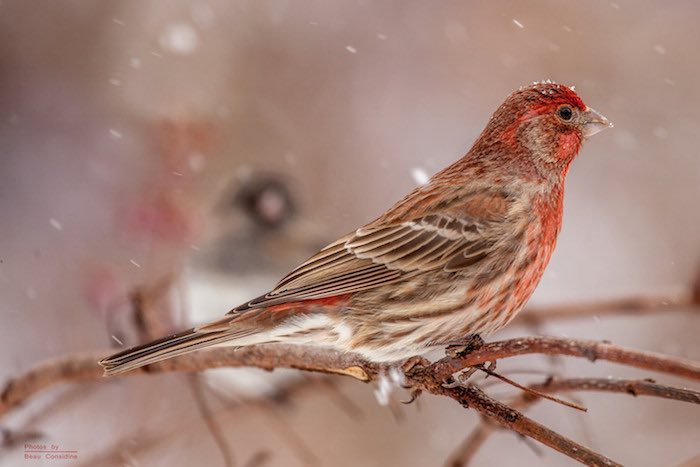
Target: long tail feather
<point x="167" y="347"/>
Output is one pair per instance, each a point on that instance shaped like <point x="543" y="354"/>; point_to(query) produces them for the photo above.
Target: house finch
<point x="456" y="257"/>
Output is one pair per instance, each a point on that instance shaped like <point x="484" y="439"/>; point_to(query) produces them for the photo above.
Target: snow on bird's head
<point x="548" y="93"/>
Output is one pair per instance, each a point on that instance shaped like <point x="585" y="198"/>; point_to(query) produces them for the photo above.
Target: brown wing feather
<point x="382" y="254"/>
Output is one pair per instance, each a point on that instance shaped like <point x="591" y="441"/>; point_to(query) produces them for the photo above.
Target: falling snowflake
<point x="660" y="49"/>
<point x="420" y="176"/>
<point x="55" y="224"/>
<point x="179" y="38"/>
<point x="116" y="339"/>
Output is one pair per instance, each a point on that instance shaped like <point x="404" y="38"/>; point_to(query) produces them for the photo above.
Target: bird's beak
<point x="593" y="122"/>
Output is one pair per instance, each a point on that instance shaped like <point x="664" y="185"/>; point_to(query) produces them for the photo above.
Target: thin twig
<point x="197" y="386"/>
<point x="534" y="392"/>
<point x="632" y="387"/>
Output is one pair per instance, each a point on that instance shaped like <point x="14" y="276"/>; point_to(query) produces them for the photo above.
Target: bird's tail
<point x="168" y="347"/>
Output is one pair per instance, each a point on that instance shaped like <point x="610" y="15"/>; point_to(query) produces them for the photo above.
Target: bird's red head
<point x="545" y="124"/>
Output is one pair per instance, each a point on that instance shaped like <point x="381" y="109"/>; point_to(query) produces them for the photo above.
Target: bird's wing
<point x="381" y="254"/>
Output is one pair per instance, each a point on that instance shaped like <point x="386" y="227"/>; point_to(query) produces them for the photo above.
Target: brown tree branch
<point x="633" y="387"/>
<point x="471" y="445"/>
<point x="592" y="350"/>
<point x="429" y="378"/>
<point x="507" y="417"/>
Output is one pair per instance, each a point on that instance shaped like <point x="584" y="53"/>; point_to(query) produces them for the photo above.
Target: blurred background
<point x="161" y="162"/>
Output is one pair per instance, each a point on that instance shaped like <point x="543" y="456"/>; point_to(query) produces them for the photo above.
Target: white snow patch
<point x="55" y="224"/>
<point x="420" y="176"/>
<point x="518" y="23"/>
<point x="179" y="38"/>
<point x="387" y="384"/>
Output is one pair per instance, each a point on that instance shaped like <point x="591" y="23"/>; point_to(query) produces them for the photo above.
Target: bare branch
<point x="429" y="378"/>
<point x="470" y="446"/>
<point x="632" y="387"/>
<point x="592" y="350"/>
<point x="507" y="417"/>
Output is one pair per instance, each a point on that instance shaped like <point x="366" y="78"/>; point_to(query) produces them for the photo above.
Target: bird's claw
<point x="415" y="363"/>
<point x="468" y="345"/>
<point x="450" y="383"/>
<point x="414" y="396"/>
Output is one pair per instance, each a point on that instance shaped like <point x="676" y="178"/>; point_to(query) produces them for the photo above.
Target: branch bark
<point x="466" y="451"/>
<point x="429" y="378"/>
<point x="592" y="350"/>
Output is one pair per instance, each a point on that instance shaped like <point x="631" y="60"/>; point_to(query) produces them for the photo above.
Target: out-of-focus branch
<point x="466" y="451"/>
<point x="631" y="305"/>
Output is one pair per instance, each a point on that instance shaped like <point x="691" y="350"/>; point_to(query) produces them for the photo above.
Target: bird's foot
<point x="413" y="364"/>
<point x="465" y="346"/>
<point x="414" y="394"/>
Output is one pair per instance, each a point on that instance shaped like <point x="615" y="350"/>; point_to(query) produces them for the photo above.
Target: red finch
<point x="458" y="256"/>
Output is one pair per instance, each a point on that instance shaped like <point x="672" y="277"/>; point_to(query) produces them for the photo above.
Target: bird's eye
<point x="565" y="113"/>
